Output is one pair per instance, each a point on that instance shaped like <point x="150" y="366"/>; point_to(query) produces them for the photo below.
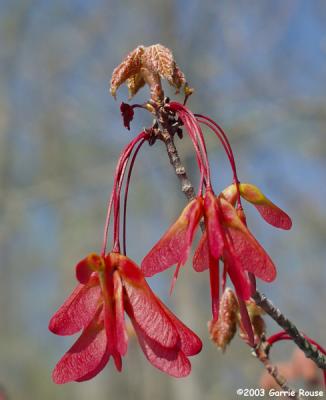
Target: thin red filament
<point x="116" y="190"/>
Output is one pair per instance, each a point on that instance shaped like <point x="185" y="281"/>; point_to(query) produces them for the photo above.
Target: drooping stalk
<point x="203" y="169"/>
<point x="116" y="226"/>
<point x="126" y="195"/>
<point x="226" y="145"/>
<point x="116" y="190"/>
<point x="195" y="134"/>
<point x="141" y="137"/>
<point x="221" y="135"/>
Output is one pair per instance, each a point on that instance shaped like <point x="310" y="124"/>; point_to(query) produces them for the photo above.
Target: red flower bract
<point x="109" y="286"/>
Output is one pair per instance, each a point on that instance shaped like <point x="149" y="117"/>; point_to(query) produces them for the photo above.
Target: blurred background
<point x="257" y="67"/>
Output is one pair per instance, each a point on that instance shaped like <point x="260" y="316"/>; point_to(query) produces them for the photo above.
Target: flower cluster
<point x="226" y="237"/>
<point x="112" y="285"/>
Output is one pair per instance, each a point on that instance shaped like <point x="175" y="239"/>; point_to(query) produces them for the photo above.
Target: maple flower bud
<point x="258" y="324"/>
<point x="224" y="328"/>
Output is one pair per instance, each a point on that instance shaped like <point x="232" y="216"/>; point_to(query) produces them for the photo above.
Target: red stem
<point x="195" y="133"/>
<point x="223" y="136"/>
<point x="116" y="234"/>
<point x="226" y="145"/>
<point x="112" y="199"/>
<point x="126" y="195"/>
<point x="285" y="336"/>
<point x="115" y="195"/>
<point x="203" y="171"/>
<point x="277" y="337"/>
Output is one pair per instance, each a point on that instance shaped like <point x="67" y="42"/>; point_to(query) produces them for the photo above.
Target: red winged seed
<point x="190" y="342"/>
<point x="174" y="246"/>
<point x="201" y="257"/>
<point x="246" y="248"/>
<point x="78" y="310"/>
<point x="85" y="355"/>
<point x="147" y="312"/>
<point x="171" y="361"/>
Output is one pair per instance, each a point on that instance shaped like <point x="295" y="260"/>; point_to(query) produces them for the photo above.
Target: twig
<point x="166" y="135"/>
<point x="262" y="354"/>
<point x="309" y="349"/>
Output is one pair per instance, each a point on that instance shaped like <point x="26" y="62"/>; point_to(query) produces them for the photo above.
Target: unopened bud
<point x="188" y="91"/>
<point x="223" y="330"/>
<point x="259" y="327"/>
<point x="150" y="108"/>
<point x="253" y="309"/>
<point x="258" y="324"/>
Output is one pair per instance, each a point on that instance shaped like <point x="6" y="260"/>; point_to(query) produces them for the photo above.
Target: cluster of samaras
<point x="111" y="285"/>
<point x="147" y="65"/>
